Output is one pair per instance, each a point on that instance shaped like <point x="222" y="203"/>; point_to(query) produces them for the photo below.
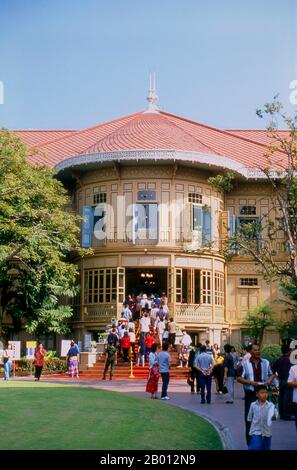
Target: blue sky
<point x="74" y="63"/>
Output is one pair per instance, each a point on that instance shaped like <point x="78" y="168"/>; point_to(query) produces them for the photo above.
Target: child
<point x="261" y="413"/>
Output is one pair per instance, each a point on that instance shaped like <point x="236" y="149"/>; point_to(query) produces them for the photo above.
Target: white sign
<point x="88" y="339"/>
<point x="16" y="347"/>
<point x="30" y="353"/>
<point x="65" y="346"/>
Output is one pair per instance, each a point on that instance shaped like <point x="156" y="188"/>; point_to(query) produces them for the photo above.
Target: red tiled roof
<point x="33" y="138"/>
<point x="261" y="136"/>
<point x="149" y="131"/>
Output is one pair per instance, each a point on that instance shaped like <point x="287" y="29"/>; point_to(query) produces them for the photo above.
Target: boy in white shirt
<point x="261" y="414"/>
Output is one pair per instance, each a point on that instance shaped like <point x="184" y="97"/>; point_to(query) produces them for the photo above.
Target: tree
<point x="258" y="239"/>
<point x="258" y="321"/>
<point x="280" y="174"/>
<point x="37" y="239"/>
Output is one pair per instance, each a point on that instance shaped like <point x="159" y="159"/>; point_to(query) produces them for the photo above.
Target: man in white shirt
<point x="186" y="339"/>
<point x="161" y="328"/>
<point x="292" y="382"/>
<point x="145" y="323"/>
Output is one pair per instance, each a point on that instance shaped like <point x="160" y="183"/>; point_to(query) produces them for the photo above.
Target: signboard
<point x="87" y="342"/>
<point x="16" y="347"/>
<point x="30" y="349"/>
<point x="65" y="346"/>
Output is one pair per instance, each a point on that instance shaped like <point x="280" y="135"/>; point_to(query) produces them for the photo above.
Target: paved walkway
<point x="227" y="418"/>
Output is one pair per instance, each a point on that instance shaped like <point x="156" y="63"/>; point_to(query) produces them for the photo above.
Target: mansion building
<point x="154" y="222"/>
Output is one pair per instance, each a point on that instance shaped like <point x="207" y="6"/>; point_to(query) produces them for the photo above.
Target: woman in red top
<point x="39" y="360"/>
<point x="125" y="343"/>
<point x="149" y="341"/>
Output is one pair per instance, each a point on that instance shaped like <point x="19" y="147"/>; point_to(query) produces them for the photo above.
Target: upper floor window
<point x="247" y="210"/>
<point x="99" y="198"/>
<point x="248" y="281"/>
<point x="219" y="288"/>
<point x="201" y="224"/>
<point x="145" y="223"/>
<point x="195" y="198"/>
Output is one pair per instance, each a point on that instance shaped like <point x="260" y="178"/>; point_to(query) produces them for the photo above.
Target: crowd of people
<point x="144" y="324"/>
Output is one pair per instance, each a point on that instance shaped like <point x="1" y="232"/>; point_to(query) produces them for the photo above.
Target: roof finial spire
<point x="152" y="96"/>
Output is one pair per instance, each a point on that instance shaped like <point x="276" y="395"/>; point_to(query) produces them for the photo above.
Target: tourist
<point x="157" y="301"/>
<point x="7" y="358"/>
<point x="141" y="351"/>
<point x="204" y="363"/>
<point x="113" y="337"/>
<point x="144" y="302"/>
<point x="127" y="312"/>
<point x="209" y="348"/>
<point x="186" y="339"/>
<point x="149" y="303"/>
<point x="39" y="361"/>
<point x="252" y="373"/>
<point x="144" y="322"/>
<point x="122" y="329"/>
<point x="110" y="359"/>
<point x="164" y="303"/>
<point x="292" y="382"/>
<point x="160" y="330"/>
<point x="229" y="373"/>
<point x="216" y="350"/>
<point x="161" y="314"/>
<point x="281" y="368"/>
<point x="185" y="343"/>
<point x="260" y="416"/>
<point x="126" y="344"/>
<point x="165" y="336"/>
<point x="154" y="372"/>
<point x="218" y="373"/>
<point x="149" y="342"/>
<point x="164" y="361"/>
<point x="184" y="348"/>
<point x="247" y="354"/>
<point x="235" y="356"/>
<point x="72" y="359"/>
<point x="132" y="337"/>
<point x="172" y="333"/>
<point x="153" y="314"/>
<point x="123" y="321"/>
<point x="194" y="374"/>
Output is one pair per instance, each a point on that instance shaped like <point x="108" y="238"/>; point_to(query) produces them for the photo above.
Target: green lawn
<point x="50" y="416"/>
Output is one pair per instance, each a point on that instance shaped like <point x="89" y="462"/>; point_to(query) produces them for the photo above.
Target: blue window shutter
<point x="87" y="226"/>
<point x="206" y="226"/>
<point x="134" y="223"/>
<point x="232" y="225"/>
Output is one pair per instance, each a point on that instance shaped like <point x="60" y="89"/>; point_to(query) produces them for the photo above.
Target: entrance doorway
<point x="146" y="280"/>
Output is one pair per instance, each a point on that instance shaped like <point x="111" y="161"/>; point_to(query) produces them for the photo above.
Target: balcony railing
<point x="103" y="313"/>
<point x="192" y="313"/>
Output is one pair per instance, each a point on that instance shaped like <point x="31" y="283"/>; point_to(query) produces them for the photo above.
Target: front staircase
<point x="123" y="370"/>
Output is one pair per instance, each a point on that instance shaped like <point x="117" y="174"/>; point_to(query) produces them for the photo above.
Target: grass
<point x="43" y="416"/>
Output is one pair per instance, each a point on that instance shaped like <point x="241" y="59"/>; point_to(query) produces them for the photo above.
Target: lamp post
<point x="131" y="376"/>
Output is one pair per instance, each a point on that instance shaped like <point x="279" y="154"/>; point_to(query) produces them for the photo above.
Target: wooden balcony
<point x="192" y="313"/>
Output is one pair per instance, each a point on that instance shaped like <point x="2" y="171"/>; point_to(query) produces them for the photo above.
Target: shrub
<point x="271" y="352"/>
<point x="54" y="364"/>
<point x="50" y="354"/>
